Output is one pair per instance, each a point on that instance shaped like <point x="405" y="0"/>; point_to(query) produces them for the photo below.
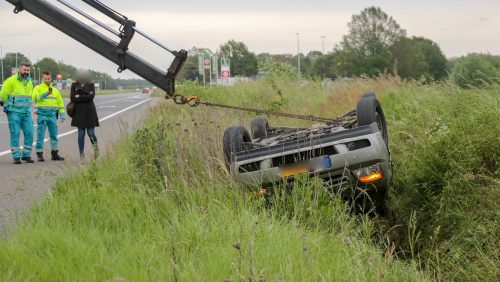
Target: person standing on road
<point x="49" y="108"/>
<point x="16" y="97"/>
<point x="85" y="114"/>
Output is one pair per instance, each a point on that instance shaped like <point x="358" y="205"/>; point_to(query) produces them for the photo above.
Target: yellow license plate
<point x="306" y="166"/>
<point x="294" y="170"/>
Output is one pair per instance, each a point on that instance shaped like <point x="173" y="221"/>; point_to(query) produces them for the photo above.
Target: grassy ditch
<point x="163" y="206"/>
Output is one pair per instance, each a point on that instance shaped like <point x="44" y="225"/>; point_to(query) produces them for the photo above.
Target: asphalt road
<point x="23" y="185"/>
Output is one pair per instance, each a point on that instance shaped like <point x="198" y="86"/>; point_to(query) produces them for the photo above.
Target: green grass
<point x="163" y="206"/>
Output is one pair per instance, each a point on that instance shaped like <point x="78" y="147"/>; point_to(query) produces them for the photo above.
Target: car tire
<point x="233" y="142"/>
<point x="368" y="94"/>
<point x="259" y="127"/>
<point x="368" y="111"/>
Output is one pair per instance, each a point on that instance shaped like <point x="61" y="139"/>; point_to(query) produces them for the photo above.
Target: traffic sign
<point x="225" y="74"/>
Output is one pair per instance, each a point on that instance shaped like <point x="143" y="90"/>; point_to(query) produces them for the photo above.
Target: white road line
<point x="120" y="100"/>
<point x="75" y="130"/>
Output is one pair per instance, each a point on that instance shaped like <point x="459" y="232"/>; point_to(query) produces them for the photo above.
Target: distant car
<point x="145" y="91"/>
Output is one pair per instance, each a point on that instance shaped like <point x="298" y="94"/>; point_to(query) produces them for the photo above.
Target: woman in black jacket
<point x="85" y="114"/>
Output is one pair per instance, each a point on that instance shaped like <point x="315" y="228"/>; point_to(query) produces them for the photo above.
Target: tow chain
<point x="195" y="101"/>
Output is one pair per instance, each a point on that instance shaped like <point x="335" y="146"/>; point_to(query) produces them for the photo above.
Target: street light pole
<point x="1" y="61"/>
<point x="323" y="54"/>
<point x="298" y="51"/>
<point x="39" y="76"/>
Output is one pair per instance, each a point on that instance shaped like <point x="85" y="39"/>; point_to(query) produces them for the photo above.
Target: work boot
<point x="17" y="160"/>
<point x="39" y="156"/>
<point x="55" y="156"/>
<point x="27" y="160"/>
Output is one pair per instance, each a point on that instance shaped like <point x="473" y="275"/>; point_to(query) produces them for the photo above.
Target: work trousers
<point x="46" y="121"/>
<point x="20" y="122"/>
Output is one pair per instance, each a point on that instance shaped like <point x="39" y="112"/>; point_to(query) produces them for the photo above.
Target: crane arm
<point x="115" y="51"/>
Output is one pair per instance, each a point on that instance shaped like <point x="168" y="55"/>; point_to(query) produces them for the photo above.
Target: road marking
<point x="75" y="130"/>
<point x="120" y="100"/>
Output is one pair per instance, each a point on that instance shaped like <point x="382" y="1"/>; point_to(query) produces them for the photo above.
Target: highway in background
<point x="23" y="185"/>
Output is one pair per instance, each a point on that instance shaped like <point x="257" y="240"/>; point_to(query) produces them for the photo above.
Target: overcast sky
<point x="458" y="26"/>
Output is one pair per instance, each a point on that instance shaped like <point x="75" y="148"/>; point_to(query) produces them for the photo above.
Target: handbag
<point x="70" y="109"/>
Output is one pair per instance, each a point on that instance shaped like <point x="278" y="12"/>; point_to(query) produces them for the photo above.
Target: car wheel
<point x="259" y="127"/>
<point x="368" y="111"/>
<point x="368" y="94"/>
<point x="233" y="142"/>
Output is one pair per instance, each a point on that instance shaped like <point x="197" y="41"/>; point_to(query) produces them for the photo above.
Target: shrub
<point x="476" y="70"/>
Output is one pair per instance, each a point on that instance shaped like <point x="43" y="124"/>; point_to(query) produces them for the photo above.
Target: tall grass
<point x="163" y="206"/>
<point x="446" y="148"/>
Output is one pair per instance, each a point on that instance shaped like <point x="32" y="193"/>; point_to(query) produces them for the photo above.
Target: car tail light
<point x="369" y="174"/>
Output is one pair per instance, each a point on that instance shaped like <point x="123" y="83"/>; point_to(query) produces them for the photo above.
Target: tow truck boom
<point x="116" y="52"/>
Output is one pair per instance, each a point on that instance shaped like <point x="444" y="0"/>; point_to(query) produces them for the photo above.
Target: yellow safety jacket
<point x="17" y="94"/>
<point x="47" y="104"/>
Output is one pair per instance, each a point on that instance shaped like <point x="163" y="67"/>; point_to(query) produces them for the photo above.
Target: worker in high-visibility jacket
<point x="16" y="97"/>
<point x="49" y="107"/>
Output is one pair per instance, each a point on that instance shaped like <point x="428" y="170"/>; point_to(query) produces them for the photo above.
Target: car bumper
<point x="346" y="150"/>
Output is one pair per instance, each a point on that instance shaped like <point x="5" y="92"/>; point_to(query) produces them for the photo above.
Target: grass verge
<point x="163" y="207"/>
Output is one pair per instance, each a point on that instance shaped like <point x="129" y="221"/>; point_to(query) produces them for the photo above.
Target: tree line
<point x="68" y="72"/>
<point x="375" y="44"/>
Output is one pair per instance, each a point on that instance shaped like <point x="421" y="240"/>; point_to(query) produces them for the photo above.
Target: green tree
<point x="418" y="57"/>
<point x="68" y="71"/>
<point x="433" y="55"/>
<point x="314" y="55"/>
<point x="326" y="66"/>
<point x="279" y="70"/>
<point x="284" y="58"/>
<point x="243" y="62"/>
<point x="190" y="69"/>
<point x="48" y="64"/>
<point x="305" y="63"/>
<point x="9" y="62"/>
<point x="365" y="49"/>
<point x="372" y="25"/>
<point x="475" y="70"/>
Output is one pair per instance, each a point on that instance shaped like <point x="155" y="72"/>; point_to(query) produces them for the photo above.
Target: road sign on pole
<point x="215" y="66"/>
<point x="225" y="68"/>
<point x="206" y="61"/>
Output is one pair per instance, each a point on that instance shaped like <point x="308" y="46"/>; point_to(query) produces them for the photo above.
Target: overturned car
<point x="351" y="153"/>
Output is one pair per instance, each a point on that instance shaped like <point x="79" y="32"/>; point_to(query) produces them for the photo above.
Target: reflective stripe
<point x="19" y="95"/>
<point x="48" y="107"/>
<point x="50" y="97"/>
<point x="19" y="105"/>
